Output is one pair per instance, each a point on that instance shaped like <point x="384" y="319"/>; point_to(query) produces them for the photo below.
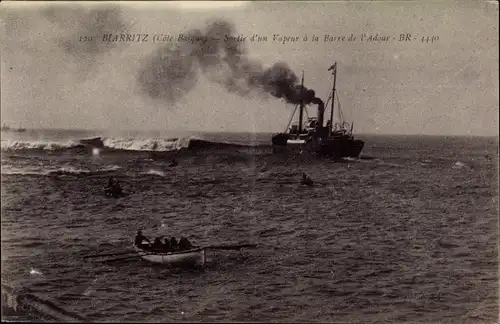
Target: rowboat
<point x="193" y="257"/>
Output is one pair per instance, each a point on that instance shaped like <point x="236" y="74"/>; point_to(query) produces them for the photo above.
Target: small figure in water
<point x="139" y="239"/>
<point x="173" y="163"/>
<point x="111" y="182"/>
<point x="117" y="187"/>
<point x="306" y="180"/>
<point x="113" y="188"/>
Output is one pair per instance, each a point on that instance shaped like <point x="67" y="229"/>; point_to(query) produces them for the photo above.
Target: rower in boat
<point x="306" y="180"/>
<point x="184" y="244"/>
<point x="166" y="245"/>
<point x="173" y="163"/>
<point x="173" y="244"/>
<point x="141" y="241"/>
<point x="174" y="257"/>
<point x="157" y="245"/>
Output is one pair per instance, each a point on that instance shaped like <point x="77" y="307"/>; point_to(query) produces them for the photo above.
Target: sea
<point x="408" y="232"/>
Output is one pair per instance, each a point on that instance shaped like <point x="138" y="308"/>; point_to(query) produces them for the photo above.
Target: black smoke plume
<point x="171" y="72"/>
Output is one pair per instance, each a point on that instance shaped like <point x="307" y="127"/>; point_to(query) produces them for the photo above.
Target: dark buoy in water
<point x="306" y="180"/>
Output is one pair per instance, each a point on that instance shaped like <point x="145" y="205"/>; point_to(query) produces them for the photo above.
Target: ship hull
<point x="341" y="148"/>
<point x="336" y="148"/>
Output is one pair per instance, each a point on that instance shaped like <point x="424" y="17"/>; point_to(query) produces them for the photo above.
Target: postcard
<point x="241" y="161"/>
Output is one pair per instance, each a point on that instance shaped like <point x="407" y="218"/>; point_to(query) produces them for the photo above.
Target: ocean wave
<point x="132" y="144"/>
<point x="65" y="170"/>
<point x="155" y="172"/>
<point x="110" y="143"/>
<point x="121" y="144"/>
<point x="459" y="165"/>
<point x="11" y="145"/>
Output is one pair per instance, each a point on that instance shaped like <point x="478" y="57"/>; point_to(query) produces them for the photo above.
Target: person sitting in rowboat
<point x="166" y="245"/>
<point x="184" y="244"/>
<point x="139" y="240"/>
<point x="157" y="245"/>
<point x="173" y="244"/>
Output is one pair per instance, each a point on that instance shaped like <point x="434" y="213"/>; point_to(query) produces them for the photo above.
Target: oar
<point x="107" y="254"/>
<point x="133" y="257"/>
<point x="230" y="247"/>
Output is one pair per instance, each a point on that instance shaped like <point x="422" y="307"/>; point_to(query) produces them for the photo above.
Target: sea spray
<point x="156" y="172"/>
<point x="13" y="145"/>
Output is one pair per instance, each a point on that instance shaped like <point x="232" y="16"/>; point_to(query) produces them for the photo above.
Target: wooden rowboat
<point x="193" y="257"/>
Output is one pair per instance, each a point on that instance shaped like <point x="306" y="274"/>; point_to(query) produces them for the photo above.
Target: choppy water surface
<point x="409" y="234"/>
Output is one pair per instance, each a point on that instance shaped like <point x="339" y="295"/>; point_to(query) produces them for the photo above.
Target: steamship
<point x="334" y="140"/>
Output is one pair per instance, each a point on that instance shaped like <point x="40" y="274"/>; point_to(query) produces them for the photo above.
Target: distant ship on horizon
<point x="6" y="128"/>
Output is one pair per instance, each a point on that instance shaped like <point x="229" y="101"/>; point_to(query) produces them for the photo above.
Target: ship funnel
<point x="321" y="110"/>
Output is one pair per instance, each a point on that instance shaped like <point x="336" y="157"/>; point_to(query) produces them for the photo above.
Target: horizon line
<point x="242" y="132"/>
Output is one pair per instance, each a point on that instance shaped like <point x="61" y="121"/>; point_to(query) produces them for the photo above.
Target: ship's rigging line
<point x="341" y="122"/>
<point x="291" y="118"/>
<point x="341" y="115"/>
<point x="293" y="114"/>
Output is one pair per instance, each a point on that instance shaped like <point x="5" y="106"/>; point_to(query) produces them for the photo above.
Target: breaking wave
<point x="64" y="170"/>
<point x="131" y="144"/>
<point x="111" y="143"/>
<point x="7" y="145"/>
<point x="156" y="172"/>
<point x="117" y="144"/>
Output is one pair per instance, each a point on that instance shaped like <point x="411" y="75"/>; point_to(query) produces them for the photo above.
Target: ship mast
<point x="301" y="112"/>
<point x="334" y="68"/>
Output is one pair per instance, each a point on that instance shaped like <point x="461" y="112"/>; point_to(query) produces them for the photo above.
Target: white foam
<point x="156" y="172"/>
<point x="35" y="272"/>
<point x="68" y="169"/>
<point x="135" y="144"/>
<point x="119" y="143"/>
<point x="459" y="165"/>
<point x="36" y="144"/>
<point x="113" y="167"/>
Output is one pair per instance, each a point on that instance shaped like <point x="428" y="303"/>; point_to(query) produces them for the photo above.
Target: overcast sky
<point x="49" y="79"/>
